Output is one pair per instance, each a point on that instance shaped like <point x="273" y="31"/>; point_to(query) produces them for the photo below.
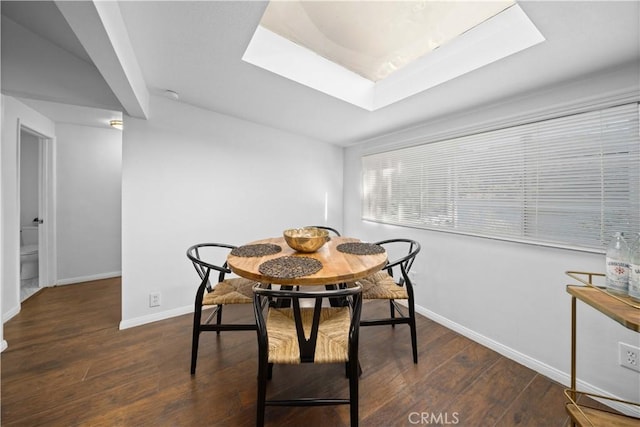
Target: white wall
<point x="88" y="194"/>
<point x="3" y="342"/>
<point x="510" y="296"/>
<point x="14" y="113"/>
<point x="193" y="176"/>
<point x="88" y="203"/>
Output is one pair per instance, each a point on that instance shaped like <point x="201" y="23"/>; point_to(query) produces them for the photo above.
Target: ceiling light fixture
<point x="116" y="124"/>
<point x="171" y="94"/>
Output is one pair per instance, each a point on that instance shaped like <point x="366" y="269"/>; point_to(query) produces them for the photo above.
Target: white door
<point x="46" y="214"/>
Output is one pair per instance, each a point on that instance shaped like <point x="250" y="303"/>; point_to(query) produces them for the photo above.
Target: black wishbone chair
<point x="333" y="302"/>
<point x="393" y="283"/>
<point x="324" y="227"/>
<point x="302" y="334"/>
<point x="216" y="293"/>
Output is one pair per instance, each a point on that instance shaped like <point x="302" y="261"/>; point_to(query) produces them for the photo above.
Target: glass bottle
<point x="634" y="268"/>
<point x="617" y="281"/>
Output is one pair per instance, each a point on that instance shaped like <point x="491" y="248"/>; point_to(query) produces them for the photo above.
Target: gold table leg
<point x="573" y="351"/>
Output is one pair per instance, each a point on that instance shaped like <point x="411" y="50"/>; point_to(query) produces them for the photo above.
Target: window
<point x="568" y="182"/>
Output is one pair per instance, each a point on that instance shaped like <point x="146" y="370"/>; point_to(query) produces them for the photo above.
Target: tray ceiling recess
<point x="373" y="54"/>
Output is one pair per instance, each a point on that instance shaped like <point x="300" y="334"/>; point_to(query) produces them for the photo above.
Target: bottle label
<point x="634" y="281"/>
<point x="617" y="275"/>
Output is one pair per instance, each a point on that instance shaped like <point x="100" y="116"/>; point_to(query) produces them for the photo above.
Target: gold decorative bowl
<point x="307" y="239"/>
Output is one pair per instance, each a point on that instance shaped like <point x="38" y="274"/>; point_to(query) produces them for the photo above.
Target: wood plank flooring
<point x="68" y="364"/>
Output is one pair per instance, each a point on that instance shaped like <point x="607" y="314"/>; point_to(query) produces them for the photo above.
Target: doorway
<point x="34" y="156"/>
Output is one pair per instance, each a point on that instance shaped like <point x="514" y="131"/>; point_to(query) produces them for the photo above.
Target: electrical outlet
<point x="154" y="299"/>
<point x="629" y="356"/>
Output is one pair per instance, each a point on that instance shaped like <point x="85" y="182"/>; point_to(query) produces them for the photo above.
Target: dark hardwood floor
<point x="68" y="364"/>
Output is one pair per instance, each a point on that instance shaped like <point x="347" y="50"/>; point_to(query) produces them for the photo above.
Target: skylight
<point x="373" y="53"/>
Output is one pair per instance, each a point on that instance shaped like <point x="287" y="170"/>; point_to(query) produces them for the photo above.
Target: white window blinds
<point x="566" y="182"/>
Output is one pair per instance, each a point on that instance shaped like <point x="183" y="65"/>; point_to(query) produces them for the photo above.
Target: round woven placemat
<point x="289" y="267"/>
<point x="260" y="249"/>
<point x="359" y="248"/>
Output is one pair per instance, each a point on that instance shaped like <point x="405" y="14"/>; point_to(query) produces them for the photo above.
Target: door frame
<point x="46" y="205"/>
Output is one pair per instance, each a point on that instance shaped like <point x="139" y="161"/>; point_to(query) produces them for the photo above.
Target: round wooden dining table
<point x="337" y="266"/>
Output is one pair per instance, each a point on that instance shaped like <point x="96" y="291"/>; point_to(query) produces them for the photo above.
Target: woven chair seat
<point x="231" y="291"/>
<point x="382" y="286"/>
<point x="333" y="335"/>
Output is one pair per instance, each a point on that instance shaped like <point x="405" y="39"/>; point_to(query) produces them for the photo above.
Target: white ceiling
<point x="195" y="48"/>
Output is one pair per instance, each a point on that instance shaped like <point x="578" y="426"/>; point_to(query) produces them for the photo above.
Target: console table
<point x="622" y="310"/>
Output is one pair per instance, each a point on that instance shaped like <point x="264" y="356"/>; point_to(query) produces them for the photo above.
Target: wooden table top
<point x="622" y="313"/>
<point x="337" y="267"/>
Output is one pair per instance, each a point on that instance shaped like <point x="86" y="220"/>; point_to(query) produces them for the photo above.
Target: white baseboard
<point x="162" y="315"/>
<point x="10" y="313"/>
<point x="74" y="280"/>
<point x="540" y="367"/>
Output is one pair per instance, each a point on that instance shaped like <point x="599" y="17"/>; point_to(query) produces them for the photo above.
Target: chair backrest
<point x="206" y="257"/>
<point x="307" y="324"/>
<point x="402" y="253"/>
<point x="324" y="227"/>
